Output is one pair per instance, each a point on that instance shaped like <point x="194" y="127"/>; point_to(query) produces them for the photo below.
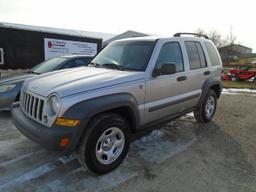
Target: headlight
<point x="5" y="88"/>
<point x="54" y="104"/>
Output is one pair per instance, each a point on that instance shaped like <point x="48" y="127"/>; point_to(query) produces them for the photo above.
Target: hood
<point x="72" y="81"/>
<point x="14" y="79"/>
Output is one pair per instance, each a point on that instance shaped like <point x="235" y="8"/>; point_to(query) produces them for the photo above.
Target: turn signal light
<point x="64" y="142"/>
<point x="67" y="122"/>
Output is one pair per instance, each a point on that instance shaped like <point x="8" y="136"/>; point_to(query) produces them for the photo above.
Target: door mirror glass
<point x="169" y="68"/>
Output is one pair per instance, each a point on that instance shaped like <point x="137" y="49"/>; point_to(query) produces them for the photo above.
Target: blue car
<point x="10" y="86"/>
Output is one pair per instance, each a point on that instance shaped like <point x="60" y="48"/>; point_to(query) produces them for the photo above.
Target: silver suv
<point x="131" y="86"/>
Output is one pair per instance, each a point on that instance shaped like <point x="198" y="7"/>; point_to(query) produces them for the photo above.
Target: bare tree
<point x="217" y="38"/>
<point x="200" y="31"/>
<point x="231" y="38"/>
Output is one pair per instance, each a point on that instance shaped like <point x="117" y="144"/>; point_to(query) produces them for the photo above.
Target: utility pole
<point x="230" y="34"/>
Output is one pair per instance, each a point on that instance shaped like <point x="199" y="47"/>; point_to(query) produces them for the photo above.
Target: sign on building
<point x="59" y="47"/>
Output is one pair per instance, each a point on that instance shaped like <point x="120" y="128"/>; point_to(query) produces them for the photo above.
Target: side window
<point x="170" y="53"/>
<point x="1" y="56"/>
<point x="213" y="55"/>
<point x="201" y="55"/>
<point x="195" y="55"/>
<point x="81" y="62"/>
<point x="86" y="60"/>
<point x="76" y="63"/>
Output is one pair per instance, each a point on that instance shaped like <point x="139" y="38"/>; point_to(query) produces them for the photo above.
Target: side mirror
<point x="167" y="69"/>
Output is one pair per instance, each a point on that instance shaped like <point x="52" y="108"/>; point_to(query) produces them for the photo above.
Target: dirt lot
<point x="183" y="156"/>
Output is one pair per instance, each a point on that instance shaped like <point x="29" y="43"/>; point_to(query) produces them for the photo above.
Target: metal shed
<point x="24" y="46"/>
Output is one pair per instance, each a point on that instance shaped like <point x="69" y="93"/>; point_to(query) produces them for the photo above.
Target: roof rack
<point x="195" y="34"/>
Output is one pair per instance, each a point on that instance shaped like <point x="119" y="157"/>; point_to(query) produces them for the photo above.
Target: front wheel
<point x="105" y="143"/>
<point x="234" y="78"/>
<point x="206" y="111"/>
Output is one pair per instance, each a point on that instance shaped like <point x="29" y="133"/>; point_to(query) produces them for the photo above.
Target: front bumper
<point x="48" y="138"/>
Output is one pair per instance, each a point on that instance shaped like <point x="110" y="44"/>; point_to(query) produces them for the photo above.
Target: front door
<point x="166" y="94"/>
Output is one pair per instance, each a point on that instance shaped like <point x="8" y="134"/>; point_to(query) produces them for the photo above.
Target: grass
<point x="239" y="84"/>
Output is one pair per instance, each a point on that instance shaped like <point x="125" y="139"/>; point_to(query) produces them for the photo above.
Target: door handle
<point x="182" y="78"/>
<point x="207" y="72"/>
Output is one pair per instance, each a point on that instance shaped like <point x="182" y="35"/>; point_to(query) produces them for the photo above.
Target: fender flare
<point x="206" y="86"/>
<point x="85" y="110"/>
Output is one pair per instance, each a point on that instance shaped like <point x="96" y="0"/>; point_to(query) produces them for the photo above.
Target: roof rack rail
<point x="195" y="34"/>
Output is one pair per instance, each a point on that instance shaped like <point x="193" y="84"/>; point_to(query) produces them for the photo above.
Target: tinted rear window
<point x="201" y="55"/>
<point x="213" y="55"/>
<point x="196" y="55"/>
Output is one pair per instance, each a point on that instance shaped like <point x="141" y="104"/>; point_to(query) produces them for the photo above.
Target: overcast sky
<point x="161" y="17"/>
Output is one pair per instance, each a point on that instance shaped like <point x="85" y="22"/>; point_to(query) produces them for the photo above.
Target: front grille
<point x="32" y="105"/>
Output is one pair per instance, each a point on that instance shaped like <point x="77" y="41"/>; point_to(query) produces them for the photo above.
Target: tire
<point x="204" y="113"/>
<point x="105" y="143"/>
<point x="234" y="78"/>
<point x="17" y="97"/>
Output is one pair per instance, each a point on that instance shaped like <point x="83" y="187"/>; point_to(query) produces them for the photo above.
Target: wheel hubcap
<point x="210" y="107"/>
<point x="110" y="145"/>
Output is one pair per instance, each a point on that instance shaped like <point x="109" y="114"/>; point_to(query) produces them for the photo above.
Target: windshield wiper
<point x="94" y="65"/>
<point x="113" y="66"/>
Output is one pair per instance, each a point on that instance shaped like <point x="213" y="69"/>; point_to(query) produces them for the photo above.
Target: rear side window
<point x="213" y="55"/>
<point x="201" y="55"/>
<point x="196" y="55"/>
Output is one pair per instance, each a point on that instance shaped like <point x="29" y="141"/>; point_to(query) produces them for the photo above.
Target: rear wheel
<point x="105" y="143"/>
<point x="206" y="111"/>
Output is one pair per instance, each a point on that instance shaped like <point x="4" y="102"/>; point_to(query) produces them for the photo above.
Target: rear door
<point x="199" y="70"/>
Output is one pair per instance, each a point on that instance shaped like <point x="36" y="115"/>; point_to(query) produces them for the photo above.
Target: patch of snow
<point x="190" y="114"/>
<point x="230" y="93"/>
<point x="28" y="176"/>
<point x="15" y="160"/>
<point x="153" y="147"/>
<point x="67" y="159"/>
<point x="79" y="180"/>
<point x="234" y="91"/>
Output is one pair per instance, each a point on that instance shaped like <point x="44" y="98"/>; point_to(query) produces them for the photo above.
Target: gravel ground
<point x="8" y="72"/>
<point x="182" y="156"/>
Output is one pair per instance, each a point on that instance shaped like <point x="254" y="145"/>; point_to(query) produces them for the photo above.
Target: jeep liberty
<point x="131" y="86"/>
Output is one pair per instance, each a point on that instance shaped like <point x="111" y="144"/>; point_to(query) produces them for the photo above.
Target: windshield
<point x="130" y="55"/>
<point x="48" y="65"/>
